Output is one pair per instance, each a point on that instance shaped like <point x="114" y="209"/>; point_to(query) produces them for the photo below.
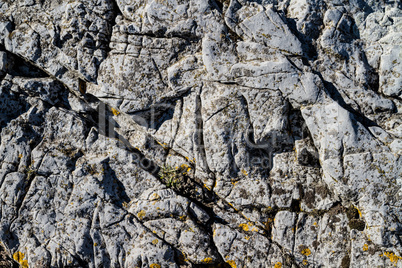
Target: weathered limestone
<point x="201" y="133"/>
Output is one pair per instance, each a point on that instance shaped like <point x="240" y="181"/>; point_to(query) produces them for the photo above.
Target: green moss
<point x="172" y="177"/>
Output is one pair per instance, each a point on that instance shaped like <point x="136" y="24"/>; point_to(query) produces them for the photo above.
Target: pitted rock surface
<point x="200" y="133"/>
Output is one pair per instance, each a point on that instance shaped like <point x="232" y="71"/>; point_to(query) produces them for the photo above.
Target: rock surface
<point x="201" y="133"/>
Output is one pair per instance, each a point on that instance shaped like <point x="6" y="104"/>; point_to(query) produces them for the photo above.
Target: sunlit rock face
<point x="200" y="133"/>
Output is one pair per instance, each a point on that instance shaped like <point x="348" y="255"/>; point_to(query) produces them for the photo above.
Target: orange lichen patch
<point x="247" y="227"/>
<point x="19" y="257"/>
<point x="114" y="111"/>
<point x="244" y="172"/>
<point x="232" y="263"/>
<point x="392" y="257"/>
<point x="141" y="214"/>
<point x="207" y="260"/>
<point x="20" y="156"/>
<point x="365" y="247"/>
<point x="306" y="252"/>
<point x="164" y="145"/>
<point x="154" y="265"/>
<point x="155" y="241"/>
<point x="305" y="262"/>
<point x="231" y="205"/>
<point x="247" y="237"/>
<point x="95" y="244"/>
<point x="154" y="197"/>
<point x="278" y="265"/>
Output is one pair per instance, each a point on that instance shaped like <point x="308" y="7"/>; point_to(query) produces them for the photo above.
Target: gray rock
<point x="200" y="133"/>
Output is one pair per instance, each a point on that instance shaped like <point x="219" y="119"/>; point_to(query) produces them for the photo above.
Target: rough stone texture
<point x="200" y="133"/>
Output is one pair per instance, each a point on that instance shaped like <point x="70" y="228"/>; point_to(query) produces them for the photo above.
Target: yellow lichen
<point x="154" y="197"/>
<point x="245" y="226"/>
<point x="207" y="187"/>
<point x="365" y="247"/>
<point x="184" y="166"/>
<point x="392" y="257"/>
<point x="141" y="214"/>
<point x="19" y="257"/>
<point x="114" y="111"/>
<point x="244" y="172"/>
<point x="154" y="265"/>
<point x="155" y="241"/>
<point x="207" y="260"/>
<point x="306" y="251"/>
<point x="305" y="262"/>
<point x="278" y="265"/>
<point x="232" y="263"/>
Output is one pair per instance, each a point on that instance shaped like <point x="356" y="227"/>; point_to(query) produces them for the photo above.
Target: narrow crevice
<point x="178" y="124"/>
<point x="217" y="112"/>
<point x="295" y="232"/>
<point x="288" y="259"/>
<point x="22" y="67"/>
<point x="116" y="12"/>
<point x="336" y="96"/>
<point x="159" y="72"/>
<point x="31" y="173"/>
<point x="199" y="135"/>
<point x="81" y="262"/>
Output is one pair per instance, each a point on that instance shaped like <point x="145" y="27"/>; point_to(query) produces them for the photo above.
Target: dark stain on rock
<point x="309" y="198"/>
<point x="335" y="219"/>
<point x="338" y="209"/>
<point x="345" y="262"/>
<point x="352" y="213"/>
<point x="357" y="224"/>
<point x="278" y="191"/>
<point x="322" y="190"/>
<point x="316" y="244"/>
